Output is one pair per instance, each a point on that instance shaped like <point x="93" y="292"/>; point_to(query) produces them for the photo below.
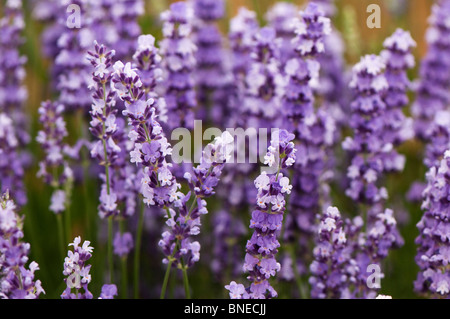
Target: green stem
<point x="110" y="249"/>
<point x="124" y="293"/>
<point x="124" y="281"/>
<point x="185" y="281"/>
<point x="61" y="235"/>
<point x="166" y="276"/>
<point x="137" y="251"/>
<point x="68" y="204"/>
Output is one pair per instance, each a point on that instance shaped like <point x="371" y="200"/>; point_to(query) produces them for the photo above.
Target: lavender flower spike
<point x="77" y="270"/>
<point x="178" y="51"/>
<point x="398" y="59"/>
<point x="54" y="169"/>
<point x="367" y="145"/>
<point x="433" y="251"/>
<point x="267" y="219"/>
<point x="16" y="281"/>
<point x="331" y="257"/>
<point x="432" y="93"/>
<point x="177" y="243"/>
<point x="104" y="125"/>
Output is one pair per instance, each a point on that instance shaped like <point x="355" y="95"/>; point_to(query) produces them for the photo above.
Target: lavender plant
<point x="134" y="77"/>
<point x="433" y="278"/>
<point x="13" y="94"/>
<point x="78" y="273"/>
<point x="17" y="280"/>
<point x="267" y="220"/>
<point x="180" y="61"/>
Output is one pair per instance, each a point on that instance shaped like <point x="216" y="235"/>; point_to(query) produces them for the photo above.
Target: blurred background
<point x="40" y="224"/>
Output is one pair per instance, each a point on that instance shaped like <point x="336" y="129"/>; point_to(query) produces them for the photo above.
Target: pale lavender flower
<point x="77" y="271"/>
<point x="179" y="61"/>
<point x="17" y="281"/>
<point x="433" y="253"/>
<point x="267" y="219"/>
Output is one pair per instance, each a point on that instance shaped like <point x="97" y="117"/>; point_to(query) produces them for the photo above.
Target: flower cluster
<point x="148" y="63"/>
<point x="17" y="281"/>
<point x="281" y="17"/>
<point x="210" y="74"/>
<point x="345" y="253"/>
<point x="367" y="146"/>
<point x="124" y="15"/>
<point x="267" y="220"/>
<point x="150" y="146"/>
<point x="77" y="270"/>
<point x="11" y="168"/>
<point x="178" y="51"/>
<point x="331" y="256"/>
<point x="78" y="274"/>
<point x="433" y="88"/>
<point x="313" y="129"/>
<point x="54" y="168"/>
<point x="241" y="36"/>
<point x="104" y="125"/>
<point x="398" y="59"/>
<point x="72" y="67"/>
<point x="263" y="83"/>
<point x="176" y="242"/>
<point x="13" y="94"/>
<point x="433" y="251"/>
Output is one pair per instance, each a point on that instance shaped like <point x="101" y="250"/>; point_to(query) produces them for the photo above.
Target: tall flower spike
<point x="11" y="168"/>
<point x="104" y="125"/>
<point x="241" y="37"/>
<point x="13" y="120"/>
<point x="367" y="146"/>
<point x="178" y="51"/>
<point x="125" y="14"/>
<point x="314" y="130"/>
<point x="77" y="270"/>
<point x="150" y="146"/>
<point x="433" y="89"/>
<point x="242" y="28"/>
<point x="331" y="257"/>
<point x="149" y="68"/>
<point x="281" y="17"/>
<point x="13" y="92"/>
<point x="267" y="219"/>
<point x="73" y="68"/>
<point x="177" y="243"/>
<point x="211" y="74"/>
<point x="398" y="59"/>
<point x="430" y="112"/>
<point x="54" y="168"/>
<point x="17" y="281"/>
<point x="264" y="83"/>
<point x="370" y="161"/>
<point x="433" y="251"/>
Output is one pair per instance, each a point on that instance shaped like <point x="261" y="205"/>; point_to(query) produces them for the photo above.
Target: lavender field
<point x="224" y="149"/>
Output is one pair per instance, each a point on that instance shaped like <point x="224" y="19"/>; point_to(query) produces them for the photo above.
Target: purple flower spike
<point x="267" y="218"/>
<point x="433" y="253"/>
<point x="433" y="88"/>
<point x="398" y="59"/>
<point x="13" y="94"/>
<point x="178" y="51"/>
<point x="77" y="271"/>
<point x="17" y="281"/>
<point x="211" y="74"/>
<point x="184" y="221"/>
